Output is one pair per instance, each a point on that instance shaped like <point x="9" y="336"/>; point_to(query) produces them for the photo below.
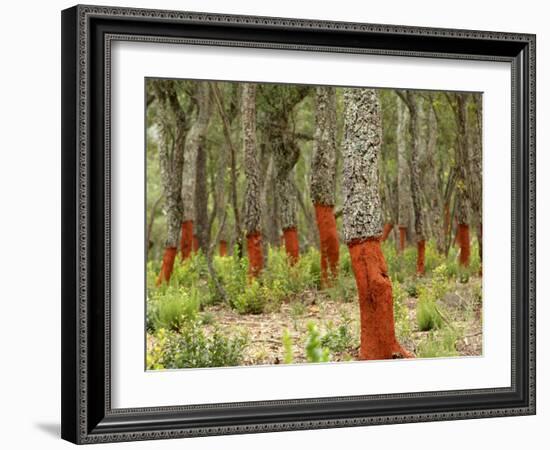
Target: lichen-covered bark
<point x="252" y="204"/>
<point x="403" y="173"/>
<point x="173" y="124"/>
<point x="286" y="155"/>
<point x="414" y="165"/>
<point x="323" y="163"/>
<point x="194" y="142"/>
<point x="279" y="102"/>
<point x="461" y="160"/>
<point x="362" y="139"/>
<point x="459" y="104"/>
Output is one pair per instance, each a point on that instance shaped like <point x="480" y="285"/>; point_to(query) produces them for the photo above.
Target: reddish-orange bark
<point x="402" y="238"/>
<point x="255" y="255"/>
<point x="223" y="248"/>
<point x="328" y="236"/>
<point x="378" y="340"/>
<point x="291" y="244"/>
<point x="186" y="243"/>
<point x="420" y="257"/>
<point x="167" y="265"/>
<point x="387" y="230"/>
<point x="463" y="239"/>
<point x="195" y="243"/>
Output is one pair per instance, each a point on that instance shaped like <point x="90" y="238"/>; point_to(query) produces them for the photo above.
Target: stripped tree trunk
<point x="193" y="144"/>
<point x="252" y="204"/>
<point x="403" y="174"/>
<point x="228" y="154"/>
<point x="280" y="103"/>
<point x="173" y="126"/>
<point x="286" y="155"/>
<point x="363" y="223"/>
<point x="411" y="102"/>
<point x="323" y="178"/>
<point x="458" y="102"/>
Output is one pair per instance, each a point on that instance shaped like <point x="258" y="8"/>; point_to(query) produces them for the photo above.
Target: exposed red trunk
<point x="387" y="230"/>
<point x="378" y="340"/>
<point x="402" y="238"/>
<point x="291" y="244"/>
<point x="328" y="236"/>
<point x="195" y="243"/>
<point x="223" y="248"/>
<point x="255" y="255"/>
<point x="463" y="239"/>
<point x="186" y="243"/>
<point x="420" y="256"/>
<point x="167" y="265"/>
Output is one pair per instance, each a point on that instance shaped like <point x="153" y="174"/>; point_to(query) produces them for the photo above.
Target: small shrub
<point x="442" y="344"/>
<point x="288" y="358"/>
<point x="250" y="301"/>
<point x="174" y="307"/>
<point x="191" y="348"/>
<point x="338" y="339"/>
<point x="314" y="350"/>
<point x="412" y="289"/>
<point x="427" y="316"/>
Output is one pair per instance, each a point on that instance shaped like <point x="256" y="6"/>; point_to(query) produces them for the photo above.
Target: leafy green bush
<point x="252" y="300"/>
<point x="172" y="308"/>
<point x="338" y="339"/>
<point x="192" y="348"/>
<point x="315" y="352"/>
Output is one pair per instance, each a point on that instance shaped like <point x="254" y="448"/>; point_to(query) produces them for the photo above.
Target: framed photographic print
<point x="281" y="224"/>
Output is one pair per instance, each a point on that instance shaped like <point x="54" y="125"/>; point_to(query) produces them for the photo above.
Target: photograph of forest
<point x="309" y="224"/>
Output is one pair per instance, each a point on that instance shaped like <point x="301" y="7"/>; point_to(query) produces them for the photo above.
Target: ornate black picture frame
<point x="87" y="33"/>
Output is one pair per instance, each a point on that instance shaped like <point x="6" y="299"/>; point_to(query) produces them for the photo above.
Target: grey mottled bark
<point x="286" y="155"/>
<point x="414" y="167"/>
<point x="193" y="143"/>
<point x="270" y="208"/>
<point x="172" y="127"/>
<point x="403" y="171"/>
<point x="323" y="164"/>
<point x="252" y="204"/>
<point x="430" y="181"/>
<point x="461" y="158"/>
<point x="362" y="140"/>
<point x="279" y="102"/>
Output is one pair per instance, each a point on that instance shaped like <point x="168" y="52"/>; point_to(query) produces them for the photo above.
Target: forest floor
<point x="338" y="321"/>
